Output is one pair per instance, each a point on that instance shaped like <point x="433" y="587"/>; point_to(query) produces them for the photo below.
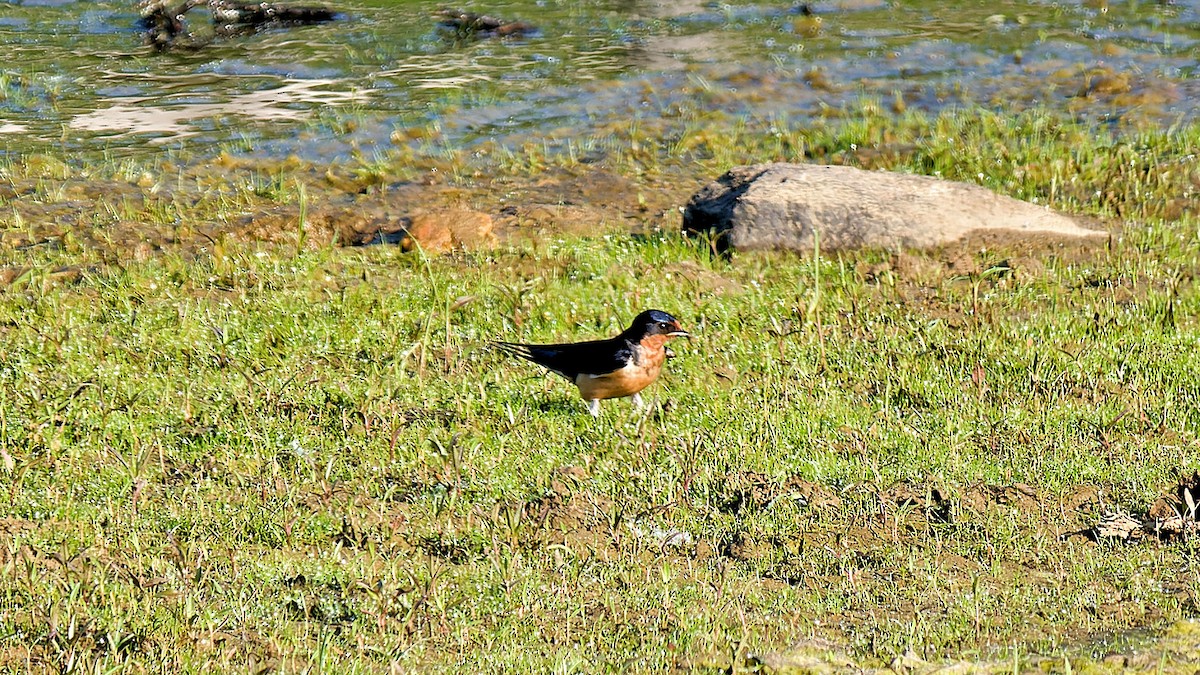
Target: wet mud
<point x="124" y="220"/>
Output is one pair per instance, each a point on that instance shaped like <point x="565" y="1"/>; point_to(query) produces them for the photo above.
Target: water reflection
<point x="175" y="122"/>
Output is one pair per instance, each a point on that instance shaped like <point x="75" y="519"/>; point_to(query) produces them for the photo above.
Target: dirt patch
<point x="569" y="520"/>
<point x="745" y="547"/>
<point x="572" y="517"/>
<point x="748" y="490"/>
<point x="1021" y="497"/>
<point x="435" y="231"/>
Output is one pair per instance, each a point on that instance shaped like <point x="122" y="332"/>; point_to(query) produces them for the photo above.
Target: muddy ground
<point x="140" y="218"/>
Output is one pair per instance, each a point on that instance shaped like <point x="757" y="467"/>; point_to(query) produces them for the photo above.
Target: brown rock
<point x="443" y="231"/>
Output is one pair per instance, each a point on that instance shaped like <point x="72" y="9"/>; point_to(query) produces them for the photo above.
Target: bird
<point x="612" y="368"/>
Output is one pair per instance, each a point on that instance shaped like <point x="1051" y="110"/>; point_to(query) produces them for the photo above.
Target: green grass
<point x="282" y="459"/>
<point x="307" y="458"/>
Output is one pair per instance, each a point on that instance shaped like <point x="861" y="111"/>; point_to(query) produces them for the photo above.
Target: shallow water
<point x="79" y="78"/>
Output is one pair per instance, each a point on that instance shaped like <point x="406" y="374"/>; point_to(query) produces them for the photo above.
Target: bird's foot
<point x="594" y="407"/>
<point x="638" y="403"/>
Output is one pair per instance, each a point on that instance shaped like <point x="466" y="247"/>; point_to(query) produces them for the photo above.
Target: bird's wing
<point x="596" y="357"/>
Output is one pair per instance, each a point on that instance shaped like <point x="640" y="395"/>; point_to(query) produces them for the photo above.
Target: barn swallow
<point x="614" y="368"/>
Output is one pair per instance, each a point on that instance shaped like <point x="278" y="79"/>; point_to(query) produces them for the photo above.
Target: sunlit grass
<point x="278" y="458"/>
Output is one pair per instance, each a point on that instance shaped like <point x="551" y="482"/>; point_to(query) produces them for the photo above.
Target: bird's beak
<point x="679" y="332"/>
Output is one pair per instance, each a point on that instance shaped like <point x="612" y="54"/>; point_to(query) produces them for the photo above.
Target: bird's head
<point x="656" y="322"/>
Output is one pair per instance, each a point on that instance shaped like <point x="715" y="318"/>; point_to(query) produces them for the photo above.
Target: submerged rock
<point x="471" y="25"/>
<point x="800" y="206"/>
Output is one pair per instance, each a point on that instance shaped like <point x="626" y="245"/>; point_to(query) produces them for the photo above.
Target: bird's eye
<point x="663" y="324"/>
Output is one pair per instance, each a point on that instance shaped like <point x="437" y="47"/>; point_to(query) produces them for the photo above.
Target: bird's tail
<point x="516" y="349"/>
<point x="546" y="356"/>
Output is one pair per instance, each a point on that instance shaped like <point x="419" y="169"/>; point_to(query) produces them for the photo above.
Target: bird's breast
<point x="638" y="373"/>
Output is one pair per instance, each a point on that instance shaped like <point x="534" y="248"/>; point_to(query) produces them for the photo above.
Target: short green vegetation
<point x="246" y="456"/>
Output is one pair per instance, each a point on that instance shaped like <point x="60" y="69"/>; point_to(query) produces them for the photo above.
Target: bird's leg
<point x="637" y="401"/>
<point x="594" y="407"/>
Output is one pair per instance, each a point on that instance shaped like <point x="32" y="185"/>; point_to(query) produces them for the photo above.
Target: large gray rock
<point x="781" y="206"/>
